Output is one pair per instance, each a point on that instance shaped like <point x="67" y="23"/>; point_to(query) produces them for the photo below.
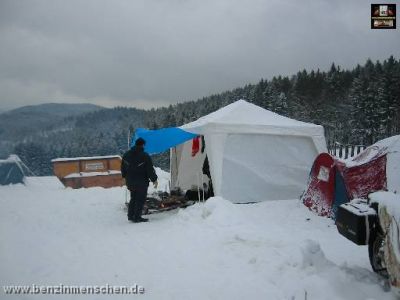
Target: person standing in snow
<point x="137" y="169"/>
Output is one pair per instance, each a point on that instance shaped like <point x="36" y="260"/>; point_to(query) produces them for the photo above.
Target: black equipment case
<point x="355" y="220"/>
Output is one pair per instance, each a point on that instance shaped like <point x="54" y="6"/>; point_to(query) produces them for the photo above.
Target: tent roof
<point x="11" y="171"/>
<point x="11" y="159"/>
<point x="390" y="144"/>
<point x="242" y="113"/>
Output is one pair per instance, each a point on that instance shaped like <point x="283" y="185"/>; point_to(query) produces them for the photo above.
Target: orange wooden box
<point x="84" y="172"/>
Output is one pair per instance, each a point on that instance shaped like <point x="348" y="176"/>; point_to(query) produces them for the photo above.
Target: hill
<point x="56" y="109"/>
<point x="27" y="122"/>
<point x="357" y="106"/>
<point x="101" y="132"/>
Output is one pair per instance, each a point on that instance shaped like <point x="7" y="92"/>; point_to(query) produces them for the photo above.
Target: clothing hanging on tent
<point x="203" y="144"/>
<point x="195" y="145"/>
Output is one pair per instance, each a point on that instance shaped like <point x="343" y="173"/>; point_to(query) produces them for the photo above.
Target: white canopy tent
<point x="254" y="154"/>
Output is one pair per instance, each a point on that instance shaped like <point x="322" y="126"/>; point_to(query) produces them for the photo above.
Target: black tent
<point x="11" y="171"/>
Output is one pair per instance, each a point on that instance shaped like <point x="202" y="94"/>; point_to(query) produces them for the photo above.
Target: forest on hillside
<point x="357" y="106"/>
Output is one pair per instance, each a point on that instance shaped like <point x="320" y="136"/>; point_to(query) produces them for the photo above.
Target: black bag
<point x="355" y="221"/>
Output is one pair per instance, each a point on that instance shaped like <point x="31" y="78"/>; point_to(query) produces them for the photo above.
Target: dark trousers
<point x="138" y="198"/>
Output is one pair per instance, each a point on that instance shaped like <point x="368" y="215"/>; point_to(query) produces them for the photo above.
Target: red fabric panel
<point x="195" y="145"/>
<point x="367" y="178"/>
<point x="320" y="191"/>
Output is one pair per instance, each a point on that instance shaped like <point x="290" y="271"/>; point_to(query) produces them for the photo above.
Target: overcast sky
<point x="148" y="53"/>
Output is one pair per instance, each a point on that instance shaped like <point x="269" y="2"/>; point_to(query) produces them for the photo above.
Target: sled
<point x="162" y="202"/>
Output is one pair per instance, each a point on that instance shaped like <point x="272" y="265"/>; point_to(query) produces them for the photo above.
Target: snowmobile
<point x="375" y="222"/>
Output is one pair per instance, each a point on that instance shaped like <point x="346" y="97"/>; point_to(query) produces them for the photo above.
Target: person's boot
<point x="140" y="220"/>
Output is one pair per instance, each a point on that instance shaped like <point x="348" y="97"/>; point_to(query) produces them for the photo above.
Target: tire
<point x="375" y="251"/>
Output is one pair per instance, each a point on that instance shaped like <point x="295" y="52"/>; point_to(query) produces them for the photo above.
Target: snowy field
<point x="216" y="250"/>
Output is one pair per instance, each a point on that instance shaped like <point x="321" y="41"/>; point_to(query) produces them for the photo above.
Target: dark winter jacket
<point x="137" y="168"/>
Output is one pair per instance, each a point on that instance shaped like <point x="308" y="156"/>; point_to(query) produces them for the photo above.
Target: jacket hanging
<point x="195" y="145"/>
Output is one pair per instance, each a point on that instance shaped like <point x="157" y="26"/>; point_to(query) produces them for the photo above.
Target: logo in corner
<point x="383" y="16"/>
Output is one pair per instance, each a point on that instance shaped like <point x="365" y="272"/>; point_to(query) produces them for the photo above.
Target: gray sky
<point x="148" y="53"/>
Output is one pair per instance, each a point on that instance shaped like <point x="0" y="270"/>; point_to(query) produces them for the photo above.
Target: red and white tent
<point x="333" y="181"/>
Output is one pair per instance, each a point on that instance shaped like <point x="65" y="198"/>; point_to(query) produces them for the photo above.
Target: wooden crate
<point x="79" y="172"/>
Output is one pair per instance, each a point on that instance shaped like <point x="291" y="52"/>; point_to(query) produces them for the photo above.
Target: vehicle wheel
<point x="376" y="253"/>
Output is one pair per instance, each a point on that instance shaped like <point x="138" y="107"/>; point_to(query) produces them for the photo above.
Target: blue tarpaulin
<point x="160" y="140"/>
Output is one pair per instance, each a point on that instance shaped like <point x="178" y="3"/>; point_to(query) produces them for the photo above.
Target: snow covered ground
<point x="215" y="250"/>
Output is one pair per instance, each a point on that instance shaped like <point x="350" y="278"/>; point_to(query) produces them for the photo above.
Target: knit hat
<point x="140" y="142"/>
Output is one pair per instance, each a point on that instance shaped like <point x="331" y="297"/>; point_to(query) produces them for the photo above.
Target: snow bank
<point x="212" y="250"/>
<point x="313" y="256"/>
<point x="215" y="211"/>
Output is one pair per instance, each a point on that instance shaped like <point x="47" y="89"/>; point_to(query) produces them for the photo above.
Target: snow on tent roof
<point x="241" y="113"/>
<point x="391" y="143"/>
<point x="11" y="170"/>
<point x="382" y="147"/>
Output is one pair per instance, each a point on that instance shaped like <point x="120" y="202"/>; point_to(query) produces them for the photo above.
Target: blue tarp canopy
<point x="160" y="140"/>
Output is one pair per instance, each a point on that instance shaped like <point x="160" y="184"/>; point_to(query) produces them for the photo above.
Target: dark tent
<point x="11" y="171"/>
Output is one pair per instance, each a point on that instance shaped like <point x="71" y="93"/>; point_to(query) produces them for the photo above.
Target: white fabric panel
<point x="265" y="167"/>
<point x="190" y="169"/>
<point x="215" y="144"/>
<point x="320" y="143"/>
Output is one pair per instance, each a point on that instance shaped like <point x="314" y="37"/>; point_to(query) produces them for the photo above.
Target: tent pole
<point x="198" y="187"/>
<point x="126" y="188"/>
<point x="202" y="184"/>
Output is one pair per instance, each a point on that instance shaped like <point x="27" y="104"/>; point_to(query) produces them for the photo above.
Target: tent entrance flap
<point x="160" y="140"/>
